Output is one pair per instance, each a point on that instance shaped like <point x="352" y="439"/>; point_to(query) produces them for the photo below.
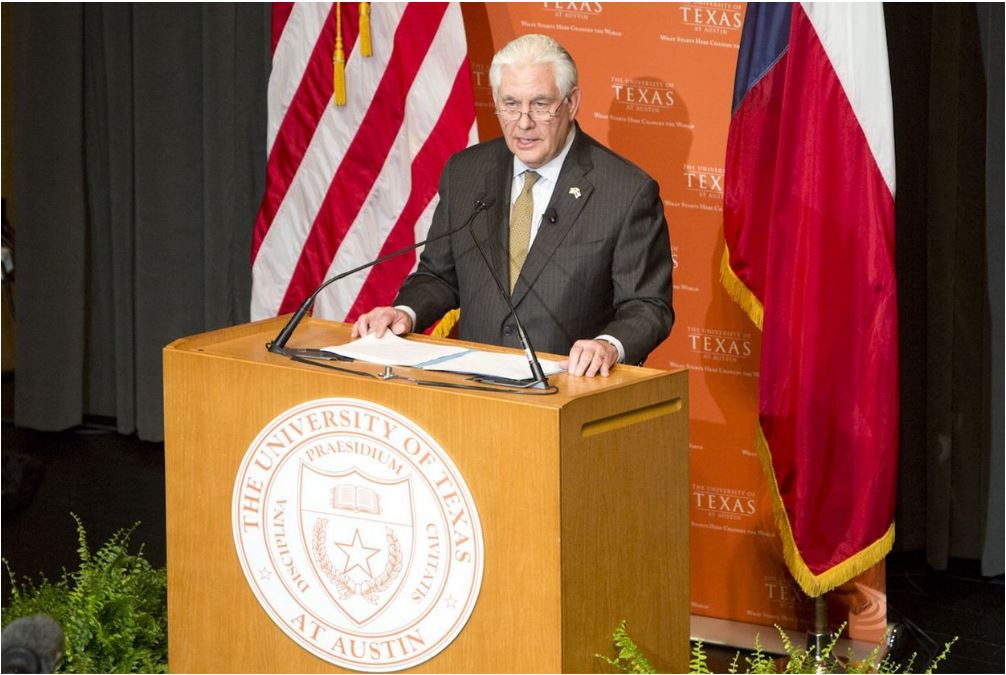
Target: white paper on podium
<point x="392" y="350"/>
<point x="478" y="362"/>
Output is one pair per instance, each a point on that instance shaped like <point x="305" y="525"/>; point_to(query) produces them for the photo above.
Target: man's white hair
<point x="535" y="49"/>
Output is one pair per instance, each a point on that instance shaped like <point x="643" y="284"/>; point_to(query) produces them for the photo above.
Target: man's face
<point x="531" y="87"/>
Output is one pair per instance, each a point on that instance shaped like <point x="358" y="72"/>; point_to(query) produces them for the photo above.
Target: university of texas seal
<point x="357" y="534"/>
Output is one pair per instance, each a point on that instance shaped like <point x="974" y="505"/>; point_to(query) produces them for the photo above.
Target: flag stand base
<point x="819" y="638"/>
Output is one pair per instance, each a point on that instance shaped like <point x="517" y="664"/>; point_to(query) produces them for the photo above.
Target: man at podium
<point x="575" y="232"/>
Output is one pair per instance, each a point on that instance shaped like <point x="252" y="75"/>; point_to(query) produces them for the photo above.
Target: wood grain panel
<point x="223" y="387"/>
<point x="625" y="524"/>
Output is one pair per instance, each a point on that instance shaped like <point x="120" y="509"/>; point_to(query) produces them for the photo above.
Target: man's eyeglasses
<point x="538" y="111"/>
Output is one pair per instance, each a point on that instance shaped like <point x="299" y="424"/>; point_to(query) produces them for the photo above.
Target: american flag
<point x="346" y="184"/>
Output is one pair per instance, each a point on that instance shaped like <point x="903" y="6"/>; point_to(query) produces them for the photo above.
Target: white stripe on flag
<point x="293" y="51"/>
<point x="855" y="40"/>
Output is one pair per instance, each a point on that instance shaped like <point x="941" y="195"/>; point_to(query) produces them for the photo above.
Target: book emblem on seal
<point x="357" y="535"/>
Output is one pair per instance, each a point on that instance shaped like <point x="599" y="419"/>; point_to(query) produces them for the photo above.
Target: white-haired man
<point x="577" y="232"/>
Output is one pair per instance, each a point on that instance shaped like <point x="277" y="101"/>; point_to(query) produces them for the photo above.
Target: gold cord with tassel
<point x="365" y="46"/>
<point x="338" y="61"/>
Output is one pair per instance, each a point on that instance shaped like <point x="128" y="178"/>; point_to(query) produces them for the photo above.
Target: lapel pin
<point x="575" y="191"/>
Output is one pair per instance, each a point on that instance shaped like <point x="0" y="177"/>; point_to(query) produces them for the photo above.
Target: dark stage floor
<point x="112" y="481"/>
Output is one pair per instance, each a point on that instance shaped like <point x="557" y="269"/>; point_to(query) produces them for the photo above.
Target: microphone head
<point x="484" y="202"/>
<point x="551" y="215"/>
<point x="32" y="644"/>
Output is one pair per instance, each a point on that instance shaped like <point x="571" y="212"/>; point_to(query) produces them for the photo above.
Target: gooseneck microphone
<point x="278" y="346"/>
<point x="540" y="381"/>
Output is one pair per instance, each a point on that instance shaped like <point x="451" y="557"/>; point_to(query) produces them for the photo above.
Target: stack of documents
<point x="392" y="350"/>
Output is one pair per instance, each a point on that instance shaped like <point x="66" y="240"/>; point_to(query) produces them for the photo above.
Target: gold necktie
<point x="520" y="227"/>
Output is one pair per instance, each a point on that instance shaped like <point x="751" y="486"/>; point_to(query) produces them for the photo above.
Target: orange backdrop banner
<point x="657" y="81"/>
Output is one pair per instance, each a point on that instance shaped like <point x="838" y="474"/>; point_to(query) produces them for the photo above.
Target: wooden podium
<point x="582" y="496"/>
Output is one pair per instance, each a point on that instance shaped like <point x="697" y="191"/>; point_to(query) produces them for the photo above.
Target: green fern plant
<point x="629" y="658"/>
<point x="799" y="660"/>
<point x="113" y="608"/>
<point x="758" y="661"/>
<point x="699" y="662"/>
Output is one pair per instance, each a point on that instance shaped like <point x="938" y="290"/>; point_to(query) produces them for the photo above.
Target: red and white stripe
<point x="855" y="41"/>
<point x="347" y="184"/>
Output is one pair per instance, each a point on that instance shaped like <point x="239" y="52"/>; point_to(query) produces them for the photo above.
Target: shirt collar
<point x="550" y="170"/>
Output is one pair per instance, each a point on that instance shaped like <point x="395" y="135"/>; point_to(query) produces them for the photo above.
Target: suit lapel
<point x="571" y="194"/>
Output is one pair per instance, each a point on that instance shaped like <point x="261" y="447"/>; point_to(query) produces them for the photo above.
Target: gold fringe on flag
<point x="738" y="292"/>
<point x="365" y="47"/>
<point x="338" y="61"/>
<point x="816" y="584"/>
<point x="812" y="584"/>
<point x="447" y="324"/>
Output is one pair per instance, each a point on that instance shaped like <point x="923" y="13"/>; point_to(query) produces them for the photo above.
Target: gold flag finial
<point x="338" y="61"/>
<point x="365" y="47"/>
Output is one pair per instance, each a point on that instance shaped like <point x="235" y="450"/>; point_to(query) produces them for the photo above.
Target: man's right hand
<point x="380" y="319"/>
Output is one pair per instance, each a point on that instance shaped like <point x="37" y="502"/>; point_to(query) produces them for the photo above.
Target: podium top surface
<point x="247" y="342"/>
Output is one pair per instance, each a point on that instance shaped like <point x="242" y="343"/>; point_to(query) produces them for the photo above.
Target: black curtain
<point x="990" y="26"/>
<point x="139" y="166"/>
<point x="946" y="76"/>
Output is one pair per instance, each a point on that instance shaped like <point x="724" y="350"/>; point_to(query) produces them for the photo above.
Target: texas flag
<point x="809" y="227"/>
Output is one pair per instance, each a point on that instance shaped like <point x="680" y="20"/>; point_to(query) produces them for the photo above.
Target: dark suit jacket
<point x="603" y="266"/>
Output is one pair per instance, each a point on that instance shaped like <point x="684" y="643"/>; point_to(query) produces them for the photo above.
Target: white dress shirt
<point x="542" y="191"/>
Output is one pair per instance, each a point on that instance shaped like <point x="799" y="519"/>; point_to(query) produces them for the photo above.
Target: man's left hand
<point x="590" y="357"/>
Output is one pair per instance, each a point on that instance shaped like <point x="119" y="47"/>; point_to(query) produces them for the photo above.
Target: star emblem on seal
<point x="358" y="555"/>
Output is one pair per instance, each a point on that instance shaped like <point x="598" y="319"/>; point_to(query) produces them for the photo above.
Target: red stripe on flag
<point x="449" y="135"/>
<point x="366" y="154"/>
<point x="280" y="14"/>
<point x="306" y="108"/>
